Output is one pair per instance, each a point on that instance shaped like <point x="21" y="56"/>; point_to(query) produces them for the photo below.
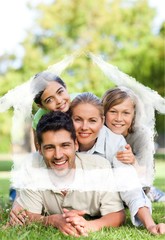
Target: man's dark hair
<point x="54" y="121"/>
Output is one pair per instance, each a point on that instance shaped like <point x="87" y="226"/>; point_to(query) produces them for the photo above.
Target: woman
<point x="123" y="115"/>
<point x="95" y="138"/>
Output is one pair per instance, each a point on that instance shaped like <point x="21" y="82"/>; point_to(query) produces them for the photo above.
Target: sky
<point x="15" y="18"/>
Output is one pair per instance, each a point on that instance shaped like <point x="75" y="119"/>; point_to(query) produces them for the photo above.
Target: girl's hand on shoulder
<point x="126" y="156"/>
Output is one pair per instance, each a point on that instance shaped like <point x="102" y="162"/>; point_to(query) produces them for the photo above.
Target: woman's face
<point x="88" y="122"/>
<point x="55" y="98"/>
<point x="119" y="118"/>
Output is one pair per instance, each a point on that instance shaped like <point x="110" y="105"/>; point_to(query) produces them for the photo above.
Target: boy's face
<point x="58" y="150"/>
<point x="119" y="118"/>
<point x="55" y="98"/>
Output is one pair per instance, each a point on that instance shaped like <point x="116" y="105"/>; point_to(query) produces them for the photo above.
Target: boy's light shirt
<point x="107" y="145"/>
<point x="42" y="112"/>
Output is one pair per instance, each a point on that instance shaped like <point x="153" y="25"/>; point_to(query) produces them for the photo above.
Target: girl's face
<point x="119" y="118"/>
<point x="55" y="98"/>
<point x="88" y="122"/>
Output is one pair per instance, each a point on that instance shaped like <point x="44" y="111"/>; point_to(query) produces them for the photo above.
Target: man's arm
<point x="20" y="216"/>
<point x="57" y="221"/>
<point x="114" y="219"/>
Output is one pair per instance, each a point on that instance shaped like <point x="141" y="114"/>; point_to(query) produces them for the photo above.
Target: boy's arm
<point x="126" y="156"/>
<point x="145" y="217"/>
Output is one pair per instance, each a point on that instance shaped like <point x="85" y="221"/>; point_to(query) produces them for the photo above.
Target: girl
<point x="123" y="115"/>
<point x="50" y="95"/>
<point x="93" y="137"/>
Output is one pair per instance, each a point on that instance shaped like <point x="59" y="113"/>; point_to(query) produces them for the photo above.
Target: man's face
<point x="58" y="150"/>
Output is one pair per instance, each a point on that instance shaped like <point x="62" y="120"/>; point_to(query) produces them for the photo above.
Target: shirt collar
<point x="99" y="146"/>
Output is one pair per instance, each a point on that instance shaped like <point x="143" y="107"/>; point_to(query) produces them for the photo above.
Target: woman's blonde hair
<point x="90" y="98"/>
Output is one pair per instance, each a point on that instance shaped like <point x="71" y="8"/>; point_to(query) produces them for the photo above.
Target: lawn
<point x="39" y="232"/>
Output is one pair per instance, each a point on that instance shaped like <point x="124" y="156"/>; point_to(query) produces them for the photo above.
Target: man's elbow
<point x="123" y="217"/>
<point x="120" y="218"/>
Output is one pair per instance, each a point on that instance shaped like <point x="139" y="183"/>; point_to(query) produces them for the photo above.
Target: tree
<point x="118" y="30"/>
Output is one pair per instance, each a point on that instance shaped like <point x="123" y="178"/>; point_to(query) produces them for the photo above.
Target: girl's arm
<point x="35" y="139"/>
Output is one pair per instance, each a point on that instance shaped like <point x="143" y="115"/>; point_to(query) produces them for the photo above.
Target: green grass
<point x="160" y="175"/>
<point x="6" y="165"/>
<point x="160" y="156"/>
<point x="39" y="232"/>
<point x="4" y="188"/>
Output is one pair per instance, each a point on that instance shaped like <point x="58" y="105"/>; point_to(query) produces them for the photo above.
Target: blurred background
<point x="36" y="34"/>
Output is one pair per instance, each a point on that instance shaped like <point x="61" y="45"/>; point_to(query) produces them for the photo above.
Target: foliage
<point x="5" y="165"/>
<point x="118" y="30"/>
<point x="5" y="120"/>
<point x="4" y="194"/>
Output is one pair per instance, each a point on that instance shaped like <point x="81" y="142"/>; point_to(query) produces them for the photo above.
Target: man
<point x="65" y="206"/>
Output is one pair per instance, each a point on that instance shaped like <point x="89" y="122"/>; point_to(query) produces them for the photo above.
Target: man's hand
<point x="18" y="215"/>
<point x="58" y="221"/>
<point x="126" y="156"/>
<point x="73" y="212"/>
<point x="75" y="217"/>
